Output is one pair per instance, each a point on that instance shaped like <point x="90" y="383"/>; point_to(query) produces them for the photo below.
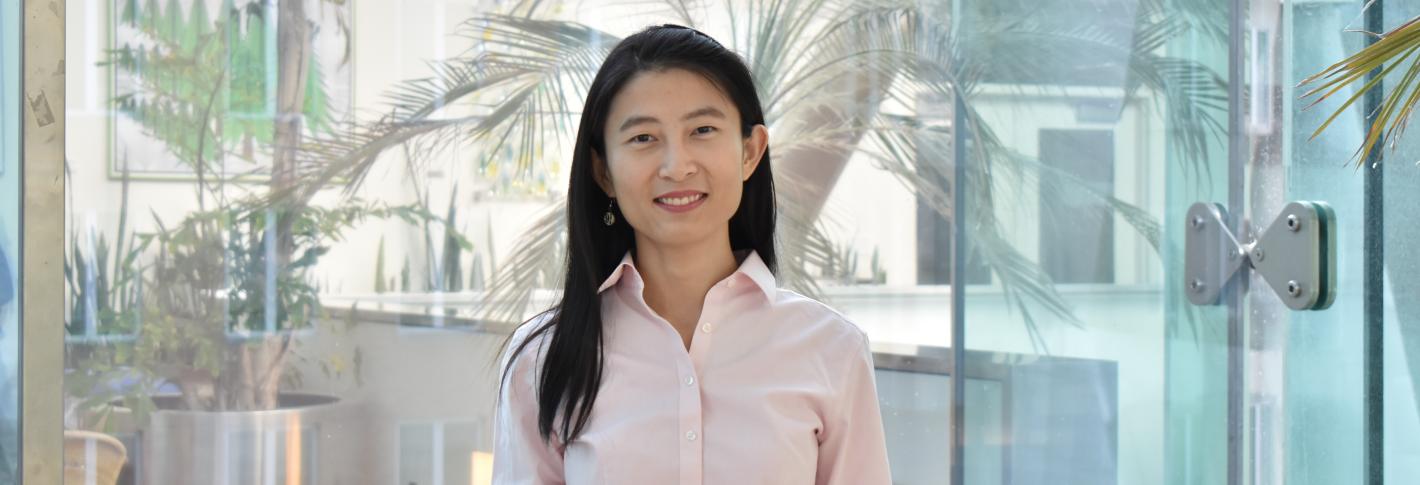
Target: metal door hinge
<point x="1296" y="255"/>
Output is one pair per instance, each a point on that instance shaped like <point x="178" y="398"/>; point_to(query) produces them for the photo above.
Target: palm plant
<point x="823" y="68"/>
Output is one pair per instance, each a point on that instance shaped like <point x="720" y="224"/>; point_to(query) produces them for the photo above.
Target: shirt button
<point x="690" y="435"/>
<point x="705" y="328"/>
<point x="690" y="381"/>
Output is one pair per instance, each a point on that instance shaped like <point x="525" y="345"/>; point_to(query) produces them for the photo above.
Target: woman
<point x="672" y="357"/>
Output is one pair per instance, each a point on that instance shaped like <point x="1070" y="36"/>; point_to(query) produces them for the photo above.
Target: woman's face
<point x="675" y="161"/>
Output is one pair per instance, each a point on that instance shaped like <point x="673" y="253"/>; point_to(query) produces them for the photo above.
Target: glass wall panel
<point x="1094" y="124"/>
<point x="295" y="261"/>
<point x="1306" y="413"/>
<point x="298" y="232"/>
<point x="10" y="184"/>
<point x="1307" y="399"/>
<point x="1401" y="335"/>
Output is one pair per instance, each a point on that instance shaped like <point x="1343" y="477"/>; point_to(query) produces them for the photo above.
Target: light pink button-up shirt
<point x="776" y="389"/>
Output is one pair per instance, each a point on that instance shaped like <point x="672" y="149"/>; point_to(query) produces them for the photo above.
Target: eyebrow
<point x="637" y="120"/>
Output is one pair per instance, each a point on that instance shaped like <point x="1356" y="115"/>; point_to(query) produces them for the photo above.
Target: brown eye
<point x="704" y="129"/>
<point x="642" y="138"/>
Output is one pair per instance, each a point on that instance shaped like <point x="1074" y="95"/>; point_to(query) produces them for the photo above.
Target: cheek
<point x="629" y="173"/>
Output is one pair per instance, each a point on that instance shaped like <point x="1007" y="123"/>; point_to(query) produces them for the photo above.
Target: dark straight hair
<point x="571" y="373"/>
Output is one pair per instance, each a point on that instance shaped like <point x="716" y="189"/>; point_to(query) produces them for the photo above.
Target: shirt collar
<point x="751" y="268"/>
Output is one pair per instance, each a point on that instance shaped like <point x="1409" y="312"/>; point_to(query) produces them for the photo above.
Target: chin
<point x="670" y="236"/>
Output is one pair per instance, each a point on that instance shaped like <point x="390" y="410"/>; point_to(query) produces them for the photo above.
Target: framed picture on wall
<point x="180" y="65"/>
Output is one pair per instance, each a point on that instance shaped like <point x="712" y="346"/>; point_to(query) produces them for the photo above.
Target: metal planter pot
<point x="309" y="439"/>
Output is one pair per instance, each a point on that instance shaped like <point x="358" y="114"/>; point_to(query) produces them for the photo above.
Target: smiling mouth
<point x="681" y="201"/>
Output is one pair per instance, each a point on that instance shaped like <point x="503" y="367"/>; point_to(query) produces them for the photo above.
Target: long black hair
<point x="571" y="373"/>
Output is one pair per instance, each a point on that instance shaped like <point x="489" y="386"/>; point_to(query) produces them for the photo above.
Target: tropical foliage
<point x="105" y="283"/>
<point x="1390" y="51"/>
<point x="217" y="307"/>
<point x="190" y="71"/>
<point x="220" y="320"/>
<point x="824" y="69"/>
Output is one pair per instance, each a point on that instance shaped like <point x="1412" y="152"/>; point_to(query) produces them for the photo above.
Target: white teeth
<point x="680" y="200"/>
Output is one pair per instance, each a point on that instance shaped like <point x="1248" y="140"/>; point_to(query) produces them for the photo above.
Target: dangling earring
<point x="609" y="218"/>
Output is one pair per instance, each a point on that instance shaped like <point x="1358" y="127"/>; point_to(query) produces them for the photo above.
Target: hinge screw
<point x="1294" y="288"/>
<point x="1294" y="223"/>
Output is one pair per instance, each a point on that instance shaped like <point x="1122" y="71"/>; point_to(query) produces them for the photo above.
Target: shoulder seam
<point x="839" y="316"/>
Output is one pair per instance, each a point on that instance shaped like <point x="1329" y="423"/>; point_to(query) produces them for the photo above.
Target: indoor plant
<point x="225" y="292"/>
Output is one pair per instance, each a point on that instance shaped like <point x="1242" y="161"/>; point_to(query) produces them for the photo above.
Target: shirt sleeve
<point x="520" y="457"/>
<point x="852" y="447"/>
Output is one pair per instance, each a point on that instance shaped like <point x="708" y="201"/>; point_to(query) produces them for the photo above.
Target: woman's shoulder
<point x="817" y="317"/>
<point x="528" y="339"/>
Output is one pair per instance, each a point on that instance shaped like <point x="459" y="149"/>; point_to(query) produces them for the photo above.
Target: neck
<point x="677" y="278"/>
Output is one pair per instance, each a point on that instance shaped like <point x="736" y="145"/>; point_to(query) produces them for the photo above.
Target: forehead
<point x="667" y="95"/>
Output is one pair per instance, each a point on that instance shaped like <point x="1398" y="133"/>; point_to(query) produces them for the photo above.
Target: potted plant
<point x="105" y="288"/>
<point x="222" y="297"/>
<point x="220" y="325"/>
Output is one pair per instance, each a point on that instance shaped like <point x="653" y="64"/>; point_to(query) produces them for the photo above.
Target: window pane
<point x="1401" y="334"/>
<point x="1084" y="148"/>
<point x="215" y="335"/>
<point x="10" y="185"/>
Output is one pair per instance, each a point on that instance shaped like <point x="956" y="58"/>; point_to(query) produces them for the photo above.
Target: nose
<point x="678" y="163"/>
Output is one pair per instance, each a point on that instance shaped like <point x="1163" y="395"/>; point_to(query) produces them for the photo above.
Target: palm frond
<point x="1191" y="95"/>
<point x="1025" y="285"/>
<point x="537" y="261"/>
<point x="516" y="80"/>
<point x="524" y="68"/>
<point x="1390" y="52"/>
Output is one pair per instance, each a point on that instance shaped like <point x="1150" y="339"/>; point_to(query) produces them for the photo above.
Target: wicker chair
<point x="107" y="461"/>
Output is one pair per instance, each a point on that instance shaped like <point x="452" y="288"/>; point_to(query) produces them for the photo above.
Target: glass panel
<point x="340" y="335"/>
<point x="913" y="405"/>
<point x="1402" y="275"/>
<point x="10" y="185"/>
<point x="215" y="335"/>
<point x="1096" y="124"/>
<point x="1307" y="414"/>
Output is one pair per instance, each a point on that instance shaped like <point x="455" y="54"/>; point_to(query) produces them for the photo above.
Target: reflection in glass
<point x="1097" y="122"/>
<point x="1401" y="334"/>
<point x="299" y="231"/>
<point x="10" y="185"/>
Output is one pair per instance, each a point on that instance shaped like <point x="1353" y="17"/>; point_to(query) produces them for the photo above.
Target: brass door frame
<point x="41" y="243"/>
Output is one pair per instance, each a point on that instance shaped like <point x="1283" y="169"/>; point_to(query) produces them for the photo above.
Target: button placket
<point x="691" y="423"/>
<point x="692" y="399"/>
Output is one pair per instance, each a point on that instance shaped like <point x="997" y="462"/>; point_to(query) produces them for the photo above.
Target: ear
<point x="754" y="146"/>
<point x="603" y="178"/>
